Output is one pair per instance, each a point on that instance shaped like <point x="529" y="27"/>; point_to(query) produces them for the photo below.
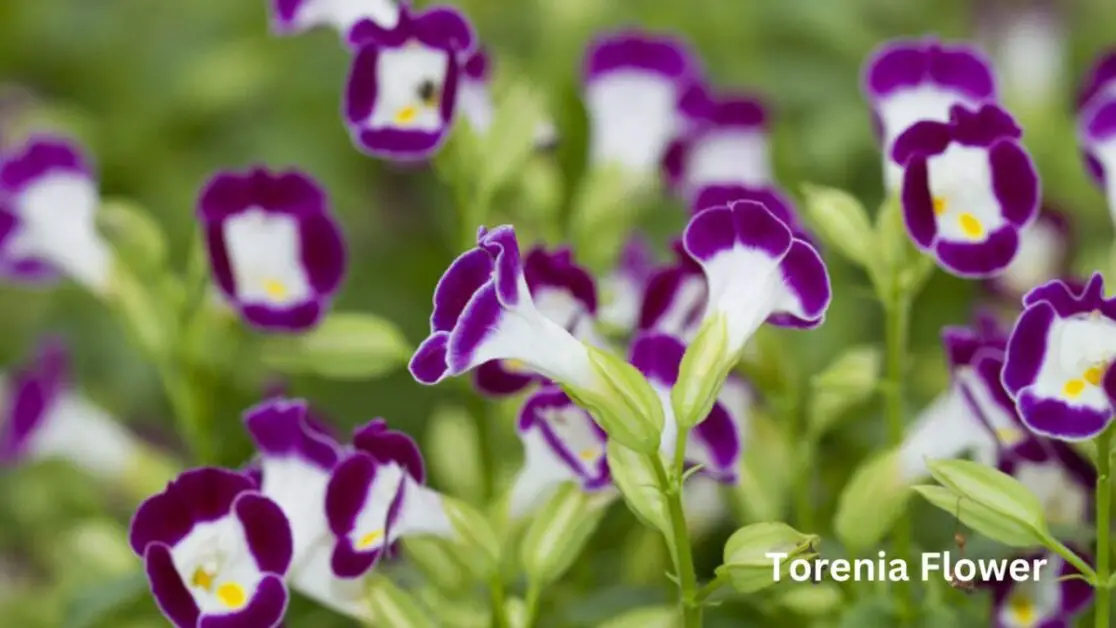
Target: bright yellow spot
<point x="1094" y="374"/>
<point x="516" y="366"/>
<point x="202" y="579"/>
<point x="275" y="289"/>
<point x="1022" y="610"/>
<point x="940" y="206"/>
<point x="232" y="595"/>
<point x="1074" y="387"/>
<point x="406" y="114"/>
<point x="1009" y="435"/>
<point x="587" y="454"/>
<point x="971" y="225"/>
<point x="370" y="539"/>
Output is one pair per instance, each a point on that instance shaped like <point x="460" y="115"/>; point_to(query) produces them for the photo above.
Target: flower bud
<point x="623" y="403"/>
<point x="705" y="365"/>
<point x="559" y="533"/>
<point x="841" y="222"/>
<point x="847" y="381"/>
<point x="393" y="607"/>
<point x="474" y="538"/>
<point x="748" y="559"/>
<point x="634" y="474"/>
<point x="870" y="503"/>
<point x="346" y="345"/>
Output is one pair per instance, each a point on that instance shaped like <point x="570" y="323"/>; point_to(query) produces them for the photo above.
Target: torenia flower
<point x="1027" y="41"/>
<point x="756" y="271"/>
<point x="771" y="197"/>
<point x="290" y="17"/>
<point x="45" y="417"/>
<point x="48" y="206"/>
<point x="403" y="85"/>
<point x="295" y="460"/>
<point x="1044" y="252"/>
<point x="561" y="443"/>
<point x="564" y="293"/>
<point x="215" y="551"/>
<point x="376" y="496"/>
<point x="1099" y="83"/>
<point x="914" y="80"/>
<point x="1058" y="476"/>
<point x="728" y="145"/>
<point x="1049" y="599"/>
<point x="969" y="188"/>
<point x="1097" y="132"/>
<point x="276" y="251"/>
<point x="634" y="84"/>
<point x="1058" y="359"/>
<point x="675" y="297"/>
<point x="623" y="289"/>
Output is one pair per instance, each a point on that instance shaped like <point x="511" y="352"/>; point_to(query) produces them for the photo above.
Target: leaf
<point x="92" y="605"/>
<point x="841" y="222"/>
<point x="344" y="346"/>
<point x="994" y="490"/>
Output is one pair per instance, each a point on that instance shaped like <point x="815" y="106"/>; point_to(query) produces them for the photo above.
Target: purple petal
<point x="39" y="157"/>
<point x="196" y="496"/>
<point x="492" y="379"/>
<point x="387" y="445"/>
<point x="266" y="531"/>
<point x="636" y="50"/>
<point x="746" y="223"/>
<point x="1015" y="182"/>
<point x="34" y="389"/>
<point x="171" y="594"/>
<point x="429" y="363"/>
<point x="281" y="428"/>
<point x="905" y="63"/>
<point x="264" y="610"/>
<point x="925" y="139"/>
<point x="806" y="280"/>
<point x="982" y="259"/>
<point x="477" y="322"/>
<point x="658" y="357"/>
<point x="501" y="245"/>
<point x="467" y="274"/>
<point x="918" y="203"/>
<point x="1027" y="347"/>
<point x="1056" y="419"/>
<point x="1099" y="79"/>
<point x="543" y="270"/>
<point x="720" y="436"/>
<point x="347" y="492"/>
<point x="531" y="416"/>
<point x="983" y="126"/>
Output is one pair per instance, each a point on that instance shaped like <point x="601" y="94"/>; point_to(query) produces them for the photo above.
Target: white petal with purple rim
<point x="1000" y="420"/>
<point x="945" y="429"/>
<point x="632" y="118"/>
<point x="745" y="287"/>
<point x="678" y="319"/>
<point x="421" y="513"/>
<point x="965" y="204"/>
<point x="409" y="84"/>
<point x="314" y="578"/>
<point x="729" y="156"/>
<point x="475" y="100"/>
<point x="1064" y="500"/>
<point x="370" y="529"/>
<point x="76" y="430"/>
<point x="343" y="14"/>
<point x="265" y="257"/>
<point x="1079" y="350"/>
<point x="1033" y="601"/>
<point x="903" y="109"/>
<point x="217" y="566"/>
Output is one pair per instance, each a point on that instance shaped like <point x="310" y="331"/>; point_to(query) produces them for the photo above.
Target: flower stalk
<point x="670" y="483"/>
<point x="1104" y="508"/>
<point x="897" y="311"/>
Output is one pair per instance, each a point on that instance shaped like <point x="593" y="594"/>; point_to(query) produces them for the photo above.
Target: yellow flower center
<point x="406" y="115"/>
<point x="1074" y="387"/>
<point x="971" y="225"/>
<point x="1022" y="609"/>
<point x="940" y="206"/>
<point x="275" y="289"/>
<point x="1094" y="374"/>
<point x="587" y="454"/>
<point x="1009" y="436"/>
<point x="370" y="539"/>
<point x="202" y="579"/>
<point x="232" y="595"/>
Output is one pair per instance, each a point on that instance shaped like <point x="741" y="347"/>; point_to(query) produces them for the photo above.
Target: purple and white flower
<point x="403" y="85"/>
<point x="215" y="551"/>
<point x="914" y="80"/>
<point x="675" y="298"/>
<point x="1028" y="44"/>
<point x="561" y="443"/>
<point x="969" y="188"/>
<point x="727" y="146"/>
<point x="376" y="496"/>
<point x="296" y="457"/>
<point x="771" y="197"/>
<point x="276" y="251"/>
<point x="1058" y="359"/>
<point x="484" y="311"/>
<point x="756" y="271"/>
<point x="1099" y="83"/>
<point x="623" y="289"/>
<point x="1061" y="479"/>
<point x="1044" y="254"/>
<point x="45" y="417"/>
<point x="564" y="293"/>
<point x="48" y="206"/>
<point x="1097" y="134"/>
<point x="634" y="85"/>
<point x="291" y="17"/>
<point x="1048" y="600"/>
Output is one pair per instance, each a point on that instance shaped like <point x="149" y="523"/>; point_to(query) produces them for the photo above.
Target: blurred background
<point x="164" y="95"/>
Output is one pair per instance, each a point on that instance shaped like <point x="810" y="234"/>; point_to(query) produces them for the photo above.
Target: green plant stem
<point x="531" y="603"/>
<point x="186" y="411"/>
<point x="710" y="588"/>
<point x="897" y="312"/>
<point x="679" y="539"/>
<point x="1104" y="507"/>
<point x="496" y="595"/>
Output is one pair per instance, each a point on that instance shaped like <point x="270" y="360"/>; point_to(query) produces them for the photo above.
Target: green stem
<point x="710" y="588"/>
<point x="1104" y="507"/>
<point x="682" y="553"/>
<point x="187" y="414"/>
<point x="531" y="603"/>
<point x="897" y="312"/>
<point x="496" y="595"/>
<point x="1072" y="558"/>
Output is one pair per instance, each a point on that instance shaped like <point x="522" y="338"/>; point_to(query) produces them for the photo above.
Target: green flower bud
<point x="752" y="552"/>
<point x="346" y="345"/>
<point x="841" y="222"/>
<point x="622" y="402"/>
<point x="559" y="533"/>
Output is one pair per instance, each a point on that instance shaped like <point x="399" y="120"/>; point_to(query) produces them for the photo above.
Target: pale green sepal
<point x="995" y="490"/>
<point x="475" y="539"/>
<point x="702" y="373"/>
<point x="346" y="345"/>
<point x="848" y="381"/>
<point x="651" y="617"/>
<point x="841" y="222"/>
<point x="452" y="445"/>
<point x="1111" y="581"/>
<point x="558" y="534"/>
<point x="515" y="612"/>
<point x="634" y="474"/>
<point x="980" y="518"/>
<point x="622" y="402"/>
<point x="439" y="562"/>
<point x="871" y="502"/>
<point x="747" y="560"/>
<point x="465" y="611"/>
<point x="393" y="607"/>
<point x="134" y="234"/>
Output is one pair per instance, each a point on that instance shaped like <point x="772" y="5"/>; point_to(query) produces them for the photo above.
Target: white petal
<point x="526" y="335"/>
<point x="729" y="156"/>
<point x="1002" y="421"/>
<point x="542" y="472"/>
<point x="343" y="14"/>
<point x="1041" y="250"/>
<point x="678" y="320"/>
<point x="632" y="118"/>
<point x="1042" y="595"/>
<point x="400" y="75"/>
<point x="217" y="550"/>
<point x="475" y="100"/>
<point x="370" y="528"/>
<point x="738" y="399"/>
<point x="704" y="504"/>
<point x="422" y="512"/>
<point x="559" y="306"/>
<point x="265" y="254"/>
<point x="904" y="108"/>
<point x="945" y="429"/>
<point x="299" y="489"/>
<point x="314" y="578"/>
<point x="1030" y="54"/>
<point x="1075" y="345"/>
<point x="669" y="439"/>
<point x="962" y="178"/>
<point x="621" y="307"/>
<point x="745" y="286"/>
<point x="76" y="430"/>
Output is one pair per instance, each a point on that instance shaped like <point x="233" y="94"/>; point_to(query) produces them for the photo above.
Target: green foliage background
<point x="164" y="94"/>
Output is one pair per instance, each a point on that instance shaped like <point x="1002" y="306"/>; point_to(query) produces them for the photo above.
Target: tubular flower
<point x="215" y="551"/>
<point x="771" y="197"/>
<point x="914" y="80"/>
<point x="969" y="189"/>
<point x="1049" y="599"/>
<point x="727" y="146"/>
<point x="1057" y="364"/>
<point x="291" y="17"/>
<point x="403" y="85"/>
<point x="48" y="207"/>
<point x="1062" y="480"/>
<point x="275" y="249"/>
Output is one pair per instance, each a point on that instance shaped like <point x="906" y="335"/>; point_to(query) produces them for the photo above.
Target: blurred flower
<point x="727" y="146"/>
<point x="1058" y="476"/>
<point x="291" y="17"/>
<point x="215" y="551"/>
<point x="771" y="197"/>
<point x="1057" y="363"/>
<point x="1044" y="254"/>
<point x="1027" y="41"/>
<point x="295" y="460"/>
<point x="376" y="496"/>
<point x="475" y="98"/>
<point x="45" y="417"/>
<point x="48" y="206"/>
<point x="564" y="293"/>
<point x="622" y="289"/>
<point x="403" y="85"/>
<point x="969" y="188"/>
<point x="1099" y="82"/>
<point x="634" y="83"/>
<point x="1097" y="132"/>
<point x="561" y="443"/>
<point x="715" y="442"/>
<point x="756" y="271"/>
<point x="914" y="80"/>
<point x="1047" y="599"/>
<point x="276" y="251"/>
<point x="675" y="296"/>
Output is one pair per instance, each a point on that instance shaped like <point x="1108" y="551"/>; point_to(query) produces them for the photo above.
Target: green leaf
<point x="870" y="503"/>
<point x="452" y="445"/>
<point x="95" y="604"/>
<point x="558" y="533"/>
<point x="981" y="518"/>
<point x="1009" y="506"/>
<point x="841" y="222"/>
<point x="634" y="474"/>
<point x="747" y="560"/>
<point x="848" y="381"/>
<point x="476" y="541"/>
<point x="344" y="346"/>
